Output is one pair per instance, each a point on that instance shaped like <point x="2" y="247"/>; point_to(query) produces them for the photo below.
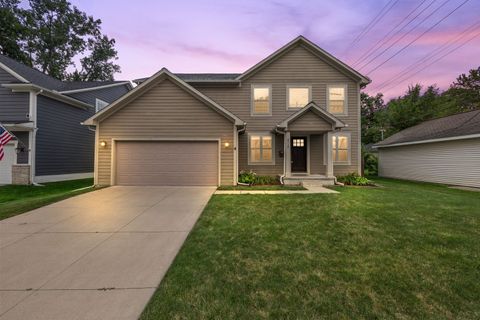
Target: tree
<point x="464" y="93"/>
<point x="57" y="34"/>
<point x="98" y="65"/>
<point x="372" y="122"/>
<point x="13" y="32"/>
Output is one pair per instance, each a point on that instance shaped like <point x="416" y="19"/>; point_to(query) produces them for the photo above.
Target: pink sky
<point x="231" y="36"/>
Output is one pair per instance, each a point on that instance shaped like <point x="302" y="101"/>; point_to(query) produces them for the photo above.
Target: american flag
<point x="5" y="136"/>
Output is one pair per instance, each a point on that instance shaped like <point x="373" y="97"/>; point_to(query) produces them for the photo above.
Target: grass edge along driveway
<point x="404" y="250"/>
<point x="15" y="199"/>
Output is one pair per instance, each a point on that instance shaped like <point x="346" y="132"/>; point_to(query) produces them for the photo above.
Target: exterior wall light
<point x="103" y="144"/>
<point x="227" y="144"/>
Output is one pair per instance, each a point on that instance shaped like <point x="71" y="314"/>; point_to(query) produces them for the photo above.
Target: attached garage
<point x="167" y="163"/>
<point x="165" y="133"/>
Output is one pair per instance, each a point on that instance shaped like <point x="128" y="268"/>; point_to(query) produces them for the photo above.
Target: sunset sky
<point x="231" y="36"/>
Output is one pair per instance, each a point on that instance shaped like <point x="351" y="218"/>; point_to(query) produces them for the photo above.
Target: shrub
<point x="370" y="164"/>
<point x="354" y="179"/>
<point x="250" y="177"/>
<point x="247" y="177"/>
<point x="266" y="180"/>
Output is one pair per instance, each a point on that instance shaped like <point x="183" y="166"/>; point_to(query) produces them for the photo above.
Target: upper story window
<point x="100" y="104"/>
<point x="261" y="100"/>
<point x="341" y="148"/>
<point x="298" y="96"/>
<point x="337" y="101"/>
<point x="260" y="148"/>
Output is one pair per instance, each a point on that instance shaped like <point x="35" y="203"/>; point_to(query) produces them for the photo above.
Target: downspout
<point x="282" y="176"/>
<point x="33" y="146"/>
<point x="236" y="146"/>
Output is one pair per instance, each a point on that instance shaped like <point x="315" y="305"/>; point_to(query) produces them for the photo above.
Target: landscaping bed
<point x="263" y="187"/>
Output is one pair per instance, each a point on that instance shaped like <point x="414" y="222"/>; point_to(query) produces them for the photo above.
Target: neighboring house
<point x="295" y="114"/>
<point x="444" y="150"/>
<point x="45" y="114"/>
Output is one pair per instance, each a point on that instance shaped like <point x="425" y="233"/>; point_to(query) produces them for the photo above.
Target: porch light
<point x="226" y="144"/>
<point x="103" y="144"/>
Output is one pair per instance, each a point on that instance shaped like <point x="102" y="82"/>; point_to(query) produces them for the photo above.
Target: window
<point x="261" y="100"/>
<point x="336" y="100"/>
<point x="261" y="148"/>
<point x="100" y="104"/>
<point x="298" y="142"/>
<point x="341" y="148"/>
<point x="298" y="96"/>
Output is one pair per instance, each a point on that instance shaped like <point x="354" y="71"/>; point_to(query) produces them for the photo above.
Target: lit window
<point x="340" y="148"/>
<point x="100" y="104"/>
<point x="261" y="148"/>
<point x="298" y="142"/>
<point x="261" y="100"/>
<point x="298" y="97"/>
<point x="336" y="100"/>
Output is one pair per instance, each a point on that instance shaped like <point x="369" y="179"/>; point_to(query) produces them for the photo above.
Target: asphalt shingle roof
<point x="45" y="81"/>
<point x="192" y="77"/>
<point x="456" y="125"/>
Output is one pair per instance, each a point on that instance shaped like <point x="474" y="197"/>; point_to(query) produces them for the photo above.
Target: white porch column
<point x="287" y="154"/>
<point x="329" y="172"/>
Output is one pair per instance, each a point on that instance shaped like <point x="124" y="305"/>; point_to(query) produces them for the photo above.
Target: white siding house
<point x="444" y="150"/>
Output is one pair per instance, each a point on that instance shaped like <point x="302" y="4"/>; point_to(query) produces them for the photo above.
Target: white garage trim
<point x="193" y="139"/>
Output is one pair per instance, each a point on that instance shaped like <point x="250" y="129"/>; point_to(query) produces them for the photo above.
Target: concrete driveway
<point x="100" y="255"/>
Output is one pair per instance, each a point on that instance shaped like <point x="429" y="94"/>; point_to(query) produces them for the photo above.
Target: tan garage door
<point x="167" y="163"/>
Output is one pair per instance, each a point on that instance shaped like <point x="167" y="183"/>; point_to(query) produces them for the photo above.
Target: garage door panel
<point x="167" y="163"/>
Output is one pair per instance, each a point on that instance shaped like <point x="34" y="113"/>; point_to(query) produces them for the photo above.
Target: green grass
<point x="404" y="251"/>
<point x="19" y="199"/>
<point x="266" y="187"/>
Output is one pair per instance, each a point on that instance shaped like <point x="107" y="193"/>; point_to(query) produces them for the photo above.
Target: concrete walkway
<point x="310" y="190"/>
<point x="99" y="255"/>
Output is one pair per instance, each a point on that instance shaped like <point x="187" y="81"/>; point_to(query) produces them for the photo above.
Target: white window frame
<point x="97" y="102"/>
<point x="261" y="134"/>
<point x="298" y="86"/>
<point x="345" y="102"/>
<point x="346" y="134"/>
<point x="252" y="100"/>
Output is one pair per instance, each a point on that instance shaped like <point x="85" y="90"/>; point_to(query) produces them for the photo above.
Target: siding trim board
<point x="13" y="73"/>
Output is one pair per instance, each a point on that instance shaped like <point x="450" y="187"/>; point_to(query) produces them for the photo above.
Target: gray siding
<point x="22" y="157"/>
<point x="108" y="94"/>
<point x="14" y="107"/>
<point x="450" y="162"/>
<point x="316" y="154"/>
<point x="64" y="146"/>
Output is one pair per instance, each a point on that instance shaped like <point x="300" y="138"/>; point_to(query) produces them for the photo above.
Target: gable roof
<point x="145" y="86"/>
<point x="324" y="55"/>
<point x="26" y="74"/>
<point x="312" y="106"/>
<point x="457" y="126"/>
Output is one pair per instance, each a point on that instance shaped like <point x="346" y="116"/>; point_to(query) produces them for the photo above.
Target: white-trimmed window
<point x="260" y="148"/>
<point x="261" y="99"/>
<point x="298" y="96"/>
<point x="337" y="99"/>
<point x="100" y="104"/>
<point x="341" y="148"/>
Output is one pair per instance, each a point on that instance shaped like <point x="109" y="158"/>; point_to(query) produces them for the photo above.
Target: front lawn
<point x="263" y="187"/>
<point x="19" y="199"/>
<point x="406" y="250"/>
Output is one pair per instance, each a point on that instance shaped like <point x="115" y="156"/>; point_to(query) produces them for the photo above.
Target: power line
<point x="430" y="55"/>
<point x="372" y="23"/>
<point x="436" y="60"/>
<point x="405" y="34"/>
<point x="374" y="47"/>
<point x="421" y="35"/>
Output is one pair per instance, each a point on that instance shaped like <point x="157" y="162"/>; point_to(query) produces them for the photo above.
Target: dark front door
<point x="299" y="154"/>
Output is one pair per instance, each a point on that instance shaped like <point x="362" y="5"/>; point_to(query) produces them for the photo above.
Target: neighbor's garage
<point x="167" y="163"/>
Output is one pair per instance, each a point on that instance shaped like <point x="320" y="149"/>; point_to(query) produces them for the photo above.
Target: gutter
<point x="469" y="136"/>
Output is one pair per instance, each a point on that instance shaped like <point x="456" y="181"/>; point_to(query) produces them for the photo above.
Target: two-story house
<point x="295" y="114"/>
<point x="44" y="115"/>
